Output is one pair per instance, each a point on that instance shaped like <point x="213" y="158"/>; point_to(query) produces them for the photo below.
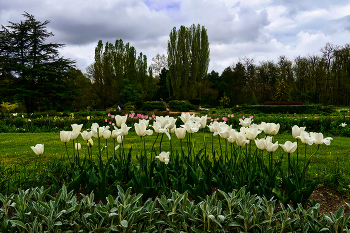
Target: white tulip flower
<point x="296" y="131"/>
<point x="119" y="120"/>
<point x="86" y="135"/>
<point x="271" y="147"/>
<point x="180" y="133"/>
<point x="90" y="143"/>
<point x="65" y="136"/>
<point x="141" y="130"/>
<point x="38" y="149"/>
<point x="77" y="146"/>
<point x="289" y="147"/>
<point x="163" y="157"/>
<point x="76" y="128"/>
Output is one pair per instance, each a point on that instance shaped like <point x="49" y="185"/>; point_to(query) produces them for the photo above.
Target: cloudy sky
<point x="257" y="29"/>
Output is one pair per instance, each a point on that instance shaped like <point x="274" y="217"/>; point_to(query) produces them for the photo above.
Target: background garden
<point x="212" y="180"/>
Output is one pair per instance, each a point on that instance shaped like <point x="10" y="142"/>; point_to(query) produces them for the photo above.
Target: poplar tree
<point x="188" y="61"/>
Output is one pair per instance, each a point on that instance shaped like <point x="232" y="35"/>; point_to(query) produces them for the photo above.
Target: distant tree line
<point x="33" y="74"/>
<point x="313" y="79"/>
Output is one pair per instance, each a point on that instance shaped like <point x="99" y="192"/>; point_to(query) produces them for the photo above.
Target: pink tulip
<point x="211" y="120"/>
<point x="113" y="124"/>
<point x="106" y="120"/>
<point x="251" y="117"/>
<point x="232" y="115"/>
<point x="153" y="116"/>
<point x="150" y="118"/>
<point x="112" y="116"/>
<point x="208" y="118"/>
<point x="224" y="119"/>
<point x="136" y="117"/>
<point x="109" y="114"/>
<point x="110" y="122"/>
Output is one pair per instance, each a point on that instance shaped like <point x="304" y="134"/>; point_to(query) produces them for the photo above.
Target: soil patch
<point x="329" y="199"/>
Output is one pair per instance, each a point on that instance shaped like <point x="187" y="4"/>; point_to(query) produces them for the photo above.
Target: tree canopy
<point x="33" y="69"/>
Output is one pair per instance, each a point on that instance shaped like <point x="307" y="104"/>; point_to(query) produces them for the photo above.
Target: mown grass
<point x="331" y="164"/>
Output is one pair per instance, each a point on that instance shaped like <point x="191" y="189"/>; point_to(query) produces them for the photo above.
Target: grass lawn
<point x="329" y="164"/>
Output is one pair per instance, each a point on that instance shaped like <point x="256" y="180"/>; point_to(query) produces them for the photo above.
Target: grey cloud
<point x="294" y="7"/>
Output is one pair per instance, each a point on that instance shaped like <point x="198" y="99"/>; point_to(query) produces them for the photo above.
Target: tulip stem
<point x="297" y="153"/>
<point x="154" y="144"/>
<point x="160" y="144"/>
<point x="212" y="144"/>
<point x="77" y="151"/>
<point x="106" y="149"/>
<point x="288" y="164"/>
<point x="73" y="149"/>
<point x="220" y="146"/>
<point x="66" y="150"/>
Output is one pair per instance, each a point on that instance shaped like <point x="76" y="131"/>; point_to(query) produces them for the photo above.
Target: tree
<point x="39" y="71"/>
<point x="158" y="63"/>
<point x="188" y="61"/>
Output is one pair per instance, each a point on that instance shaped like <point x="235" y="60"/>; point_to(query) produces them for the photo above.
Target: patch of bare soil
<point x="329" y="199"/>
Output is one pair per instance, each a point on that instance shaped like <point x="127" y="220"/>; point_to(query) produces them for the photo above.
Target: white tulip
<point x="119" y="120"/>
<point x="296" y="131"/>
<point x="141" y="130"/>
<point x="90" y="143"/>
<point x="245" y="122"/>
<point x="38" y="149"/>
<point x="77" y="146"/>
<point x="271" y="128"/>
<point x="86" y="135"/>
<point x="163" y="157"/>
<point x="180" y="133"/>
<point x="271" y="147"/>
<point x="261" y="143"/>
<point x="76" y="128"/>
<point x="289" y="147"/>
<point x="65" y="136"/>
<point x="305" y="138"/>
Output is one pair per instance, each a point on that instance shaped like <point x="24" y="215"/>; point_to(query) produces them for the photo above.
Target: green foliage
<point x="181" y="105"/>
<point x="188" y="61"/>
<point x="35" y="210"/>
<point x="282" y="92"/>
<point x="253" y="101"/>
<point x="7" y="107"/>
<point x="39" y="70"/>
<point x="284" y="109"/>
<point x="225" y="101"/>
<point x="153" y="105"/>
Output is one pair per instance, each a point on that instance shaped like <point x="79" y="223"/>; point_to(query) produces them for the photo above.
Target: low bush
<point x="283" y="109"/>
<point x="181" y="105"/>
<point x="154" y="105"/>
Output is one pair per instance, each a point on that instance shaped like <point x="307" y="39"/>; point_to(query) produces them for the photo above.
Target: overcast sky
<point x="257" y="29"/>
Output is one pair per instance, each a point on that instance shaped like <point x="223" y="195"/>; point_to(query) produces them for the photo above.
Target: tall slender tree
<point x="188" y="61"/>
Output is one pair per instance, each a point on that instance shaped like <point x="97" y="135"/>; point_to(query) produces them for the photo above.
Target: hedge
<point x="181" y="105"/>
<point x="283" y="109"/>
<point x="153" y="105"/>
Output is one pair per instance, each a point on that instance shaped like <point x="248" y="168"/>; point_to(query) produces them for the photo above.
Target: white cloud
<point x="259" y="29"/>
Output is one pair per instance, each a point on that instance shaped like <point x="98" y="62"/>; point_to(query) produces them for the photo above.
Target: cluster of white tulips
<point x="191" y="124"/>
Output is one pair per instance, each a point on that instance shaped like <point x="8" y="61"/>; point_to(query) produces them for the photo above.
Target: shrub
<point x="154" y="105"/>
<point x="181" y="105"/>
